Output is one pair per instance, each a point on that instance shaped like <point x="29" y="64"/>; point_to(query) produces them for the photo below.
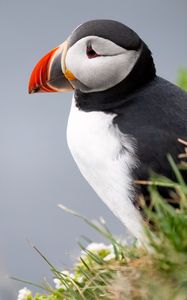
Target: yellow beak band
<point x="69" y="75"/>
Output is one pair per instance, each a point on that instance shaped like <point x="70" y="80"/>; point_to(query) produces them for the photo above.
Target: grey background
<point x="37" y="171"/>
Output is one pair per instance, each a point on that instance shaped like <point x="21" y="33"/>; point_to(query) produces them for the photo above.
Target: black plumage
<point x="150" y="109"/>
<point x="156" y="116"/>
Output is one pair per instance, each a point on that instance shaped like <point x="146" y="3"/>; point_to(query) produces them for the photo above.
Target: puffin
<point x="124" y="118"/>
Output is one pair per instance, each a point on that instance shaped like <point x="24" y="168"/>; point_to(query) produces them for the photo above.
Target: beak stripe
<point x="69" y="75"/>
<point x="48" y="75"/>
<point x="39" y="76"/>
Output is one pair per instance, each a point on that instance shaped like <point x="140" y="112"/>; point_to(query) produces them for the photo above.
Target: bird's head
<point x="97" y="56"/>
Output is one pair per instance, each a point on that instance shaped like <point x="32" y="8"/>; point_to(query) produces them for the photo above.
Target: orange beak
<point x="47" y="76"/>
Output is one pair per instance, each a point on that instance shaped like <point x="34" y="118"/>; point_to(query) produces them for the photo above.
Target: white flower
<point x="68" y="274"/>
<point x="80" y="279"/>
<point x="65" y="274"/>
<point x="24" y="294"/>
<point x="99" y="247"/>
<point x="109" y="257"/>
<point x="59" y="284"/>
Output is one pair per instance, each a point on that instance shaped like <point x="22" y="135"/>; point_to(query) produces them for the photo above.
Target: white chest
<point x="96" y="146"/>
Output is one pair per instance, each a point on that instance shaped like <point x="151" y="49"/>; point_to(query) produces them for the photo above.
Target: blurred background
<point x="36" y="169"/>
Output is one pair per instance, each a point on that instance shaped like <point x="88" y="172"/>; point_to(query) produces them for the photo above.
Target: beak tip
<point x="34" y="90"/>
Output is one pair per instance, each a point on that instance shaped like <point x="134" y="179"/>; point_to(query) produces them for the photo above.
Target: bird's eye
<point x="91" y="52"/>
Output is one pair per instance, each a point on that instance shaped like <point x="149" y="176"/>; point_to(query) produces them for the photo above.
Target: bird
<point x="124" y="118"/>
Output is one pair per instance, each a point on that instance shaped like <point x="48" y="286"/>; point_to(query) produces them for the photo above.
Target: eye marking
<point x="91" y="52"/>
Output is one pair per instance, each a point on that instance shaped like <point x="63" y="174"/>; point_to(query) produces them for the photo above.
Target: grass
<point x="119" y="271"/>
<point x="182" y="79"/>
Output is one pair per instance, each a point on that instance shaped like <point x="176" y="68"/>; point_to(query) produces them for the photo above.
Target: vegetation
<point x="119" y="271"/>
<point x="182" y="79"/>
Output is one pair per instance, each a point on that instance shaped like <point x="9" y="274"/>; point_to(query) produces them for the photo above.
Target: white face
<point x="98" y="63"/>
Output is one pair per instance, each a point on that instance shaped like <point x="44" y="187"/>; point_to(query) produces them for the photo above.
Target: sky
<point x="37" y="171"/>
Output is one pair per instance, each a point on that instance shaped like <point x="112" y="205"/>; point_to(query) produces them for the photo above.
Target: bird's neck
<point x="142" y="73"/>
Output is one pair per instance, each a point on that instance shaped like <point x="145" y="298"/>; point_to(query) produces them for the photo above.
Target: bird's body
<point x="97" y="147"/>
<point x="114" y="148"/>
<point x="124" y="119"/>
